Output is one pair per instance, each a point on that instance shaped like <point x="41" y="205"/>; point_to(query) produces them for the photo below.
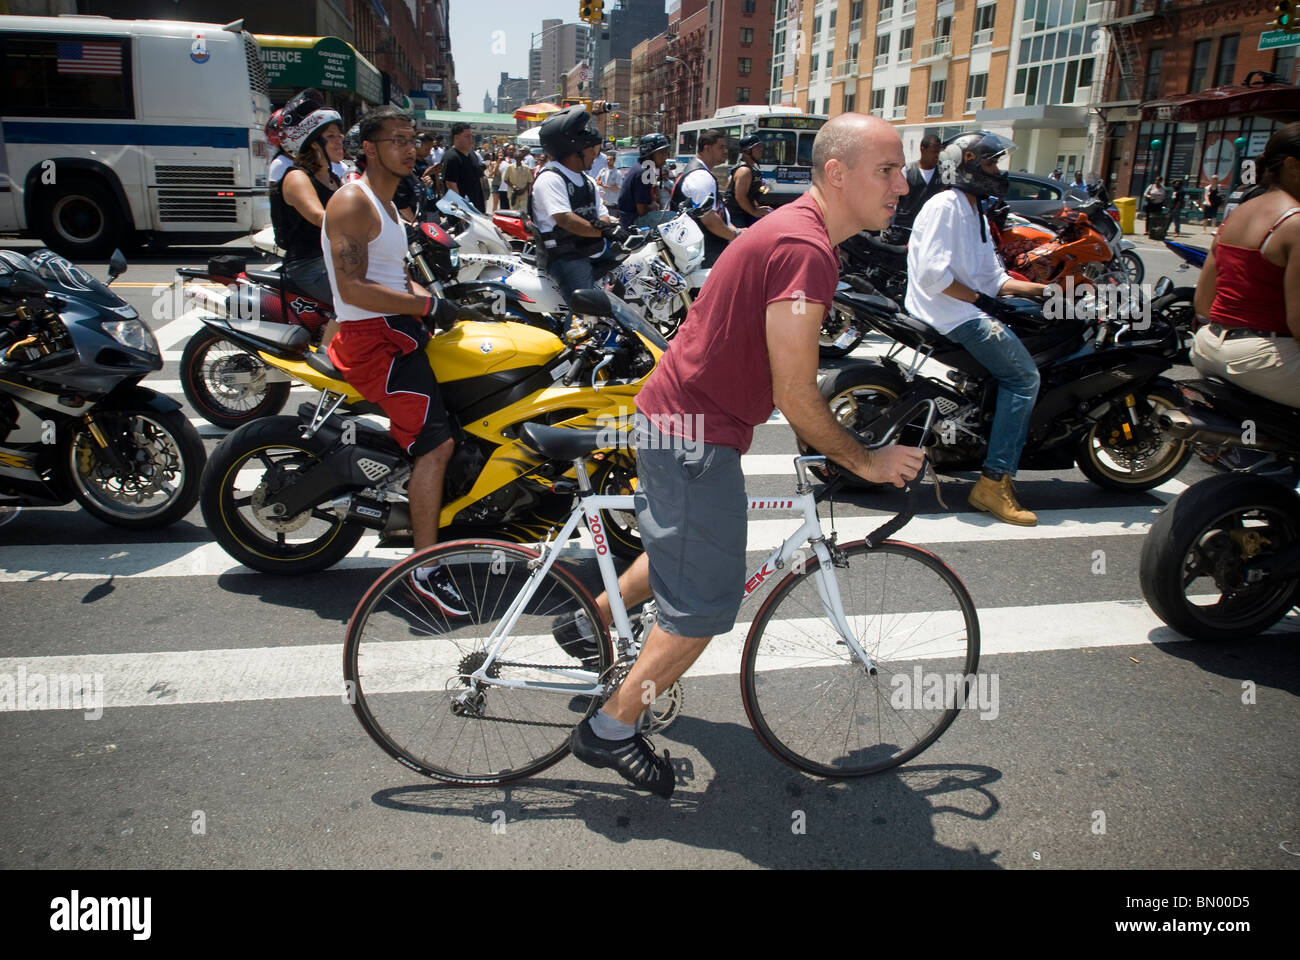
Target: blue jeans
<point x="1005" y="357"/>
<point x="578" y="273"/>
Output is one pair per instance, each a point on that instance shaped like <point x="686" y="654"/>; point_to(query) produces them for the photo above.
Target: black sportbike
<point x="74" y="421"/>
<point x="1096" y="407"/>
<point x="1222" y="561"/>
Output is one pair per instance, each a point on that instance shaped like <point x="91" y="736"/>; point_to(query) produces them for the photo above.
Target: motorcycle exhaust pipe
<point x="1206" y="427"/>
<point x="385" y="516"/>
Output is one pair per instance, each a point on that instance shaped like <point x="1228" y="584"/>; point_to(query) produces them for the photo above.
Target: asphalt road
<point x="226" y="743"/>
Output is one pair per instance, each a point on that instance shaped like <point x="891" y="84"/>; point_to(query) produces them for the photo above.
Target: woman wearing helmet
<point x="746" y="184"/>
<point x="314" y="138"/>
<point x="636" y="198"/>
<point x="569" y="218"/>
<point x="953" y="275"/>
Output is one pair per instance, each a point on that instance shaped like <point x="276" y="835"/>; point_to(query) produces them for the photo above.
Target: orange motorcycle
<point x="1068" y="246"/>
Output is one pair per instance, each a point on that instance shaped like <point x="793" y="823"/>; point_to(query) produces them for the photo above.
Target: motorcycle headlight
<point x="454" y="255"/>
<point x="695" y="250"/>
<point x="134" y="335"/>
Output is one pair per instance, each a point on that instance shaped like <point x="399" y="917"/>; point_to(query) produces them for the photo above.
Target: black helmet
<point x="749" y="141"/>
<point x="566" y="132"/>
<point x="352" y="144"/>
<point x="961" y="157"/>
<point x="650" y="144"/>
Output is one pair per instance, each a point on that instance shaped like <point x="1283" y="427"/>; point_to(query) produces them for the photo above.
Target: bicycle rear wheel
<point x="813" y="704"/>
<point x="407" y="665"/>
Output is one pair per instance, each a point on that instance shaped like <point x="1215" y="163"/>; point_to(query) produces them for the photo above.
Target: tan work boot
<point x="999" y="498"/>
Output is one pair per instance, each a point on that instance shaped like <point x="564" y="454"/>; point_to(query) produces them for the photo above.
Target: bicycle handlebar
<point x="904" y="516"/>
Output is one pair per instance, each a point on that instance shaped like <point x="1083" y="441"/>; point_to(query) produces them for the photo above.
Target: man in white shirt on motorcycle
<point x="570" y="219"/>
<point x="954" y="276"/>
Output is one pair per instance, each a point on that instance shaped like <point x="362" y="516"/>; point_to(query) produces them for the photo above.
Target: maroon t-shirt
<point x="717" y="366"/>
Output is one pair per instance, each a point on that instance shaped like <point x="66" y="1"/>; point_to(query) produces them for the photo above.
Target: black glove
<point x="438" y="314"/>
<point x="992" y="306"/>
<point x="613" y="232"/>
<point x="466" y="313"/>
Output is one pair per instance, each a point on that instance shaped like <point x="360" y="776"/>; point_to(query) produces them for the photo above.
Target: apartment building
<point x="1025" y="69"/>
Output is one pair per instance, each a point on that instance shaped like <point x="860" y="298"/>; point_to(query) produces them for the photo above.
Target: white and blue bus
<point x="113" y="131"/>
<point x="787" y="133"/>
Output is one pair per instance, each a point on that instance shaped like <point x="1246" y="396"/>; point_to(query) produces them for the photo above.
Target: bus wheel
<point x="79" y="219"/>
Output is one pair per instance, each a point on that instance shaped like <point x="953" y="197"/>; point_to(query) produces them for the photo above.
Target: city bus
<point x="113" y="131"/>
<point x="787" y="134"/>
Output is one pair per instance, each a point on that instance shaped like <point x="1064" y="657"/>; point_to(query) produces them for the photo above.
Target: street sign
<point x="1272" y="39"/>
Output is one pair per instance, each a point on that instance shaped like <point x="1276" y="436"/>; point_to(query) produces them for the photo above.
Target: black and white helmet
<point x="295" y="136"/>
<point x="567" y="131"/>
<point x="961" y="159"/>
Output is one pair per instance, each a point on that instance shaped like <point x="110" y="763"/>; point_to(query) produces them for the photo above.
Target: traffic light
<point x="591" y="11"/>
<point x="1285" y="16"/>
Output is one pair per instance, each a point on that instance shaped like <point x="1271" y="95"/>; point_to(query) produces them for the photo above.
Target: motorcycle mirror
<point x="1163" y="286"/>
<point x="116" y="265"/>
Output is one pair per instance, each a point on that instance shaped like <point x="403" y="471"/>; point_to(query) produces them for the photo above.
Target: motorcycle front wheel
<point x="246" y="470"/>
<point x="1193" y="561"/>
<point x="227" y="385"/>
<point x="1133" y="266"/>
<point x="1110" y="458"/>
<point x="158" y="483"/>
<point x="617" y="478"/>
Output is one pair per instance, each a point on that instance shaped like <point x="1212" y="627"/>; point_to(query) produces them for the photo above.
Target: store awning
<point x="535" y="112"/>
<point x="326" y="63"/>
<point x="1275" y="101"/>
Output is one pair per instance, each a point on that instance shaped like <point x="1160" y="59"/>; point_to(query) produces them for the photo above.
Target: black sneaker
<point x="574" y="634"/>
<point x="437" y="587"/>
<point x="634" y="759"/>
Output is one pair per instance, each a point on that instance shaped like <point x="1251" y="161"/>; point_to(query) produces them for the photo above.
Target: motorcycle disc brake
<point x="271" y="522"/>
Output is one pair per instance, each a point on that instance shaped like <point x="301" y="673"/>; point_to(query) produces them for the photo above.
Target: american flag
<point x="99" y="59"/>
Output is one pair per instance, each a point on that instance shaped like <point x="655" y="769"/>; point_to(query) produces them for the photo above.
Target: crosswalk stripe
<point x="276" y="673"/>
<point x="140" y="560"/>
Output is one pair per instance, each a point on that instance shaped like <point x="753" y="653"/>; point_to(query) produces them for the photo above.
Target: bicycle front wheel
<point x="411" y="669"/>
<point x="814" y="705"/>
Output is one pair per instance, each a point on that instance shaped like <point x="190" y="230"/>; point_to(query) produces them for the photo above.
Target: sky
<point x="488" y="36"/>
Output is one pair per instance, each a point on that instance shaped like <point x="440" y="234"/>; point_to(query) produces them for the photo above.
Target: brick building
<point x="1166" y="52"/>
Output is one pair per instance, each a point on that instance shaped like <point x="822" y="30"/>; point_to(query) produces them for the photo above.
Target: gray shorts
<point x="691" y="514"/>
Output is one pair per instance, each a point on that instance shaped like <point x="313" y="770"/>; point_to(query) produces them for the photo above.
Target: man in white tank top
<point x="382" y="317"/>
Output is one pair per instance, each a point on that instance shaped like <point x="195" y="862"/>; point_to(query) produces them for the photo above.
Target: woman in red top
<point x="1250" y="284"/>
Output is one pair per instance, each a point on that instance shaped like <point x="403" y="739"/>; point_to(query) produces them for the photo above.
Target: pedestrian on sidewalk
<point x="1154" y="198"/>
<point x="1213" y="198"/>
<point x="1177" y="200"/>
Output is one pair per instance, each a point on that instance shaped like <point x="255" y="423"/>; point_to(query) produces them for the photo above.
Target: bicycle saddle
<point x="559" y="443"/>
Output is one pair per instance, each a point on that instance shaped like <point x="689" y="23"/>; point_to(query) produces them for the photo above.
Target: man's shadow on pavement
<point x="769" y="814"/>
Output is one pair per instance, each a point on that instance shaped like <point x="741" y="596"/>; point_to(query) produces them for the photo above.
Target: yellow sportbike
<point x="294" y="494"/>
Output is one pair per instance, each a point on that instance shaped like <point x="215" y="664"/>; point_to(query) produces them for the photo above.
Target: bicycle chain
<point x="530" y="723"/>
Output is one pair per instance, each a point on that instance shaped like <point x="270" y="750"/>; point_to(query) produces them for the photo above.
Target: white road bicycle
<point x="492" y="697"/>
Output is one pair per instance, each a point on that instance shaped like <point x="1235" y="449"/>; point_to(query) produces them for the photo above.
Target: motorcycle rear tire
<point x="209" y="406"/>
<point x="231" y="530"/>
<point x="847" y="391"/>
<point x="1184" y="523"/>
<point x="828" y="350"/>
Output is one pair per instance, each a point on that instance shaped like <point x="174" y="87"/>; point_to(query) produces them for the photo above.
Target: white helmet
<point x="293" y="138"/>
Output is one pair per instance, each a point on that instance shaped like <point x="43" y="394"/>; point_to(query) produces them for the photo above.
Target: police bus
<point x="787" y="134"/>
<point x="120" y="130"/>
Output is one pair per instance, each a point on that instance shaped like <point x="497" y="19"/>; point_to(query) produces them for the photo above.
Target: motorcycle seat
<point x="1250" y="406"/>
<point x="875" y="243"/>
<point x="319" y="360"/>
<point x="559" y="443"/>
<point x="290" y="339"/>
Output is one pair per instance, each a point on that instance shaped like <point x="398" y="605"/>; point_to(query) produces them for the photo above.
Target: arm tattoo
<point x="352" y="257"/>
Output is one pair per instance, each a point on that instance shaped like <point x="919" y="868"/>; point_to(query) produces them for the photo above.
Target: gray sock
<point x="607" y="728"/>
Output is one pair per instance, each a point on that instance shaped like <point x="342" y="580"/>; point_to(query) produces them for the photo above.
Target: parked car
<point x="1033" y="196"/>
